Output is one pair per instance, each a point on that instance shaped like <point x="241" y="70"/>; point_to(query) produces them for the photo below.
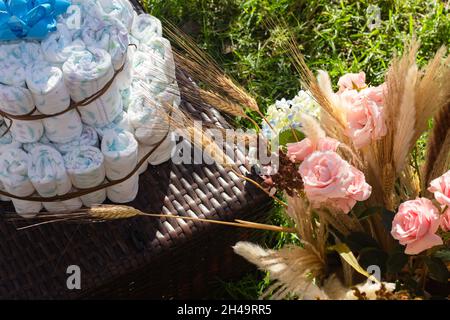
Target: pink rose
<point x="415" y="225"/>
<point x="299" y="151"/>
<point x="445" y="222"/>
<point x="352" y="81"/>
<point x="366" y="122"/>
<point x="441" y="189"/>
<point x="375" y="94"/>
<point x="330" y="179"/>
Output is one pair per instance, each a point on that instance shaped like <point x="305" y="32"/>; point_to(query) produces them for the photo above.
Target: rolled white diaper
<point x="145" y="69"/>
<point x="146" y="119"/>
<point x="19" y="101"/>
<point x="13" y="73"/>
<point x="124" y="192"/>
<point x="14" y="172"/>
<point x="31" y="52"/>
<point x="85" y="73"/>
<point x="164" y="152"/>
<point x="6" y="143"/>
<point x="43" y="141"/>
<point x="145" y="27"/>
<point x="27" y="209"/>
<point x="120" y="150"/>
<point x="6" y="139"/>
<point x="113" y="38"/>
<point x="120" y="124"/>
<point x="46" y="83"/>
<point x="85" y="166"/>
<point x="121" y="10"/>
<point x="143" y="150"/>
<point x="63" y="128"/>
<point x="15" y="180"/>
<point x="121" y="157"/>
<point x="64" y="206"/>
<point x="160" y="51"/>
<point x="47" y="172"/>
<point x="15" y="100"/>
<point x="59" y="45"/>
<point x="26" y="131"/>
<point x="89" y="138"/>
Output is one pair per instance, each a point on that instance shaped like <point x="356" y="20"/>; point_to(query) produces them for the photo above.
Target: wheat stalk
<point x="120" y="212"/>
<point x="438" y="147"/>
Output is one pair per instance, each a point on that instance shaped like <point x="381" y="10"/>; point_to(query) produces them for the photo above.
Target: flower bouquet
<point x="365" y="202"/>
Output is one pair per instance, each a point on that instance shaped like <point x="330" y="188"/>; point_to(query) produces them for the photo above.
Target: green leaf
<point x="396" y="262"/>
<point x="443" y="254"/>
<point x="290" y="136"/>
<point x="438" y="270"/>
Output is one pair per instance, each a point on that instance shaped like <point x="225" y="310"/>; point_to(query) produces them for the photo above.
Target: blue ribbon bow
<point x="29" y="19"/>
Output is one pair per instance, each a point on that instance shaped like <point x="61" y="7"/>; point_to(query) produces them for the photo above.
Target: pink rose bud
<point x="441" y="189"/>
<point x="352" y="81"/>
<point x="415" y="225"/>
<point x="299" y="151"/>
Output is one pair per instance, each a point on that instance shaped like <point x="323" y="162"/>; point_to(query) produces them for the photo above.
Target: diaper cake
<point x="83" y="84"/>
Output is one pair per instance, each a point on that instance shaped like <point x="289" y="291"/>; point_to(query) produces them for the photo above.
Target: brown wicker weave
<point x="141" y="257"/>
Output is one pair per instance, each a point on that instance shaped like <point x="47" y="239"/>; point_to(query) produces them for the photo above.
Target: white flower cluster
<point x="285" y="114"/>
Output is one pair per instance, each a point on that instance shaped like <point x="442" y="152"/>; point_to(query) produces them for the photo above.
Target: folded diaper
<point x="145" y="27"/>
<point x="85" y="166"/>
<point x="121" y="156"/>
<point x="15" y="180"/>
<point x="85" y="73"/>
<point x="47" y="172"/>
<point x="88" y="138"/>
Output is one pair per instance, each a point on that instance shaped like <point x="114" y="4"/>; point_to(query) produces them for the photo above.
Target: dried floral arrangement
<point x="348" y="173"/>
<point x="348" y="169"/>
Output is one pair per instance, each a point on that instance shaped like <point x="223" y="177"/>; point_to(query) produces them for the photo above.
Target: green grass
<point x="333" y="36"/>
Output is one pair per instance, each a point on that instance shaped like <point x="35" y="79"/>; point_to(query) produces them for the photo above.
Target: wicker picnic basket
<point x="140" y="257"/>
